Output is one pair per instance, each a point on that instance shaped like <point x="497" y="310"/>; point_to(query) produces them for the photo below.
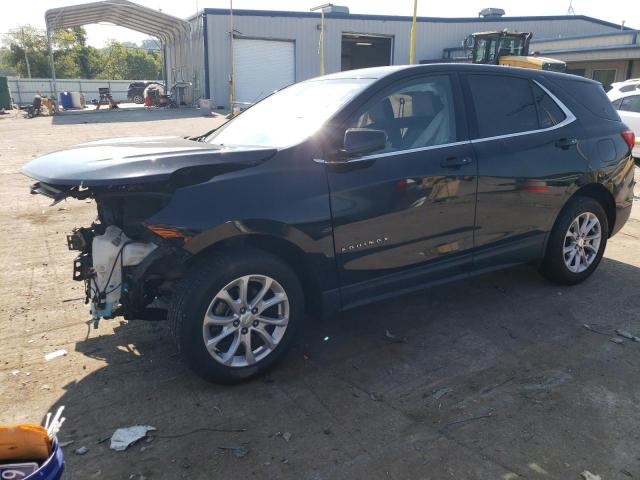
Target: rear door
<point x="526" y="145"/>
<point x="403" y="216"/>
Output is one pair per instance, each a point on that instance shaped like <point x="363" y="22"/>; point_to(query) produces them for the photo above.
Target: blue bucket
<point x="65" y="100"/>
<point x="51" y="469"/>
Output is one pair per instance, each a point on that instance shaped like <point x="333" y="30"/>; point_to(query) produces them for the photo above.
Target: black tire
<point x="553" y="266"/>
<point x="138" y="99"/>
<point x="198" y="288"/>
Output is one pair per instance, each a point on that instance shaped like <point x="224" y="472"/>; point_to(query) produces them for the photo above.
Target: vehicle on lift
<point x="342" y="190"/>
<point x="510" y="49"/>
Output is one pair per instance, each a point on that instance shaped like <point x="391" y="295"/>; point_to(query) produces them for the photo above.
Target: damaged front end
<point x="129" y="265"/>
<point x="125" y="264"/>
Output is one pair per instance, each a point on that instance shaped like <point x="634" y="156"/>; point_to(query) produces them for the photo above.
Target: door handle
<point x="565" y="143"/>
<point x="455" y="162"/>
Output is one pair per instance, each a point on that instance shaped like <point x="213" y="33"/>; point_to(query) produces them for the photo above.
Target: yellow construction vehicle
<point x="509" y="48"/>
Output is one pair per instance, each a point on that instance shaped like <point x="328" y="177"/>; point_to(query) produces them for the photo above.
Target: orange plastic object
<point x="26" y="441"/>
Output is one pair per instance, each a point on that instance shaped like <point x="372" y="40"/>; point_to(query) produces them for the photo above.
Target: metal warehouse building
<point x="272" y="49"/>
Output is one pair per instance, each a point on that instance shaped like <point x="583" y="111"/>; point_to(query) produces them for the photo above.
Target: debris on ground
<point x="58" y="353"/>
<point x="238" y="452"/>
<point x="81" y="451"/>
<point x="627" y="335"/>
<point x="376" y="397"/>
<point x="393" y="338"/>
<point x="587" y="475"/>
<point x="441" y="392"/>
<point x="286" y="436"/>
<point x="65" y="444"/>
<point x="619" y="341"/>
<point x="594" y="329"/>
<point x="122" y="438"/>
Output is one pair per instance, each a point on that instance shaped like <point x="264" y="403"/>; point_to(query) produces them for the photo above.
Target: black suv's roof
<point x="381" y="72"/>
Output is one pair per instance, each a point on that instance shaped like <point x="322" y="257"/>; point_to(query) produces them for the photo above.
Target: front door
<point x="403" y="216"/>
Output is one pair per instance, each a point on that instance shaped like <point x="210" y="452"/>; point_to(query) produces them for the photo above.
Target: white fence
<point x="24" y="89"/>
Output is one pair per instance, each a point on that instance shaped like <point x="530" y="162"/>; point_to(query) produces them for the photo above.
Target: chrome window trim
<point x="388" y="154"/>
<point x="569" y="118"/>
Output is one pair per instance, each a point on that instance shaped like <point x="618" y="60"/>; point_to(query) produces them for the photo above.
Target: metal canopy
<point x="119" y="12"/>
<point x="123" y="13"/>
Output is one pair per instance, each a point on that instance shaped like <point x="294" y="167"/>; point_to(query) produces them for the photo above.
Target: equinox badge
<point x="366" y="243"/>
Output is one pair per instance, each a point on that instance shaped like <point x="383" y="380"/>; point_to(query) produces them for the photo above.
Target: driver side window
<point x="414" y="114"/>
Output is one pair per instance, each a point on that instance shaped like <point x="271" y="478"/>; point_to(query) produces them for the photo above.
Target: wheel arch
<point x="281" y="248"/>
<point x="603" y="196"/>
<point x="599" y="193"/>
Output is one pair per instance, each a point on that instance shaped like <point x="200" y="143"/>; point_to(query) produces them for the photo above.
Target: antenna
<point x="570" y="10"/>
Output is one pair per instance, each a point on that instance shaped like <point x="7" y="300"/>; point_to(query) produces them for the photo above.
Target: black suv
<point x="135" y="93"/>
<point x="343" y="190"/>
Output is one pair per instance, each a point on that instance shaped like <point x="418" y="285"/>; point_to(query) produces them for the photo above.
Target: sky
<point x="15" y="13"/>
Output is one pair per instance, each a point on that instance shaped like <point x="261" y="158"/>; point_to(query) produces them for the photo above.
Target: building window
<point x="605" y="77"/>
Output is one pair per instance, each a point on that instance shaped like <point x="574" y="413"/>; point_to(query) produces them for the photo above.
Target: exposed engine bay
<point x="126" y="262"/>
<point x="119" y="255"/>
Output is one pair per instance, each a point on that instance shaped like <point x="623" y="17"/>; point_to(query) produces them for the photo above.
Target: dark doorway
<point x="362" y="51"/>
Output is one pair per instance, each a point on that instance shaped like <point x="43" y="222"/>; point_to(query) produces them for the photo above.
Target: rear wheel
<point x="138" y="99"/>
<point x="577" y="242"/>
<point x="234" y="316"/>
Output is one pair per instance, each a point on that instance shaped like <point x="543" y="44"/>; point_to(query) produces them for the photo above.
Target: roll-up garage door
<point x="262" y="66"/>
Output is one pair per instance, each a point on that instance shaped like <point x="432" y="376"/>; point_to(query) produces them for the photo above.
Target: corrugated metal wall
<point x="620" y="38"/>
<point x="184" y="59"/>
<point x="431" y="38"/>
<point x="24" y="89"/>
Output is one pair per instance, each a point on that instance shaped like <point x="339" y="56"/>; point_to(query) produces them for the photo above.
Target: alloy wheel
<point x="582" y="242"/>
<point x="246" y="320"/>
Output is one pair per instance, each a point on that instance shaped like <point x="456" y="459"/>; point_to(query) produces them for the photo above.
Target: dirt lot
<point x="492" y="378"/>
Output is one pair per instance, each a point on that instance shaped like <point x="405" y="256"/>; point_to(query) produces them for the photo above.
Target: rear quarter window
<point x="590" y="95"/>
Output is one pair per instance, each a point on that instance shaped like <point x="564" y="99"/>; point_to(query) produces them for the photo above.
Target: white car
<point x="619" y="89"/>
<point x="628" y="107"/>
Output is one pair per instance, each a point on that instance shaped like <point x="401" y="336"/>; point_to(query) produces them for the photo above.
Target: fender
<point x="312" y="259"/>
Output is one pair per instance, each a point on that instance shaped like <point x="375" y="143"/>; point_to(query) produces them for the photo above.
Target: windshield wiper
<point x="203" y="137"/>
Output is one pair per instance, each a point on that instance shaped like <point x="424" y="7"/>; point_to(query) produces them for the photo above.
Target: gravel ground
<point x="491" y="378"/>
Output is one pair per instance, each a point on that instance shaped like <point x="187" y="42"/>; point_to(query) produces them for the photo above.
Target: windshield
<point x="289" y="116"/>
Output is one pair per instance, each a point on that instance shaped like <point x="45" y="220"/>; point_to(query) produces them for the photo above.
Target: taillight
<point x="629" y="137"/>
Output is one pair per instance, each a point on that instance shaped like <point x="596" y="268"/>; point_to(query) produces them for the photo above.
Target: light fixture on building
<point x="364" y="44"/>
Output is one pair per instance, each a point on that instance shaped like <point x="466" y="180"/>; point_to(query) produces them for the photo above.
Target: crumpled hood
<point x="128" y="160"/>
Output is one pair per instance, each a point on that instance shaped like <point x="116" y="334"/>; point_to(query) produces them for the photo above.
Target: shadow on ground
<point x="493" y="377"/>
<point x="126" y="115"/>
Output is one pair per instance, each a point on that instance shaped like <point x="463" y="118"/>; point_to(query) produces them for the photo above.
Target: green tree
<point x="74" y="58"/>
<point x="121" y="62"/>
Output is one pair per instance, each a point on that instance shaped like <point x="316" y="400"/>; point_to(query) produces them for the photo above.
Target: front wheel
<point x="577" y="242"/>
<point x="234" y="316"/>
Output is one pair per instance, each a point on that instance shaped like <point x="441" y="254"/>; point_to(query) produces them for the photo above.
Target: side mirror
<point x="360" y="141"/>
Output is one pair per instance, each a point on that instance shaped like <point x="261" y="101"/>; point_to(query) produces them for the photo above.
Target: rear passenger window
<point x="503" y="105"/>
<point x="549" y="113"/>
